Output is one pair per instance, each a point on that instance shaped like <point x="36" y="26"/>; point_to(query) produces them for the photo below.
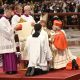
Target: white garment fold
<point x="33" y="51"/>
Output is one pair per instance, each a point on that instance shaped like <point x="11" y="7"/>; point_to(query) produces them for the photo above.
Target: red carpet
<point x="54" y="75"/>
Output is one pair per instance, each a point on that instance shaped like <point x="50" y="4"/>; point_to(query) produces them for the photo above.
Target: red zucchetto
<point x="57" y="23"/>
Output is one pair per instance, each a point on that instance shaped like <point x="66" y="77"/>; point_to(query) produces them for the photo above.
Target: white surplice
<point x="38" y="51"/>
<point x="15" y="20"/>
<point x="24" y="33"/>
<point x="7" y="43"/>
<point x="28" y="19"/>
<point x="33" y="47"/>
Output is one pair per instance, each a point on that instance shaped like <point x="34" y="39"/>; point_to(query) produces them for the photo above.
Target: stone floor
<point x="73" y="37"/>
<point x="75" y="50"/>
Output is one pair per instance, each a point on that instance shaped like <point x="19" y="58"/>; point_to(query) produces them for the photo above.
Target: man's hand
<point x="32" y="23"/>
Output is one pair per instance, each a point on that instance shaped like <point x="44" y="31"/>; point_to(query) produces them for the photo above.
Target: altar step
<point x="53" y="75"/>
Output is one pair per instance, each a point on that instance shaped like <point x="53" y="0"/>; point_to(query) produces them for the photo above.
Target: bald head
<point x="27" y="10"/>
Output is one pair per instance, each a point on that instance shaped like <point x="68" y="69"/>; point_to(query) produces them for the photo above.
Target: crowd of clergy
<point x="39" y="48"/>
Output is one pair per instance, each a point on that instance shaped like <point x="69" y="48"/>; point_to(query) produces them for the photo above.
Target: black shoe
<point x="9" y="72"/>
<point x="14" y="72"/>
<point x="74" y="64"/>
<point x="51" y="69"/>
<point x="30" y="71"/>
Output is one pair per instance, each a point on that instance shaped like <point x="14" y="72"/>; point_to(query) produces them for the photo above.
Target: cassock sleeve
<point x="60" y="41"/>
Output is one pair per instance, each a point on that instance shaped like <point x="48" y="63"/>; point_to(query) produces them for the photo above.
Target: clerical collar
<point x="18" y="15"/>
<point x="6" y="17"/>
<point x="26" y="15"/>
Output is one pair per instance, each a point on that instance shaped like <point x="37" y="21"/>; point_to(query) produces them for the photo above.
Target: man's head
<point x="18" y="9"/>
<point x="8" y="12"/>
<point x="57" y="24"/>
<point x="27" y="10"/>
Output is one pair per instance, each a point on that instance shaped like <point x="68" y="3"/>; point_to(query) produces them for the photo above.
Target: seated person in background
<point x="38" y="52"/>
